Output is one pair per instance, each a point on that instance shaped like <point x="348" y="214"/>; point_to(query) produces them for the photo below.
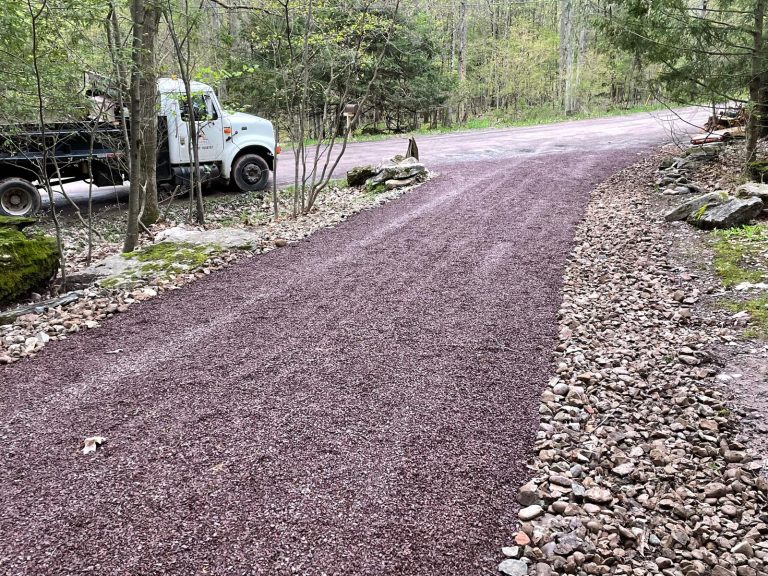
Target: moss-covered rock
<point x="375" y="188"/>
<point x="166" y="255"/>
<point x="358" y="175"/>
<point x="26" y="263"/>
<point x="16" y="222"/>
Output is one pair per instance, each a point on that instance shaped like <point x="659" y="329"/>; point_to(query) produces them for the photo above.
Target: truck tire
<point x="250" y="173"/>
<point x="18" y="197"/>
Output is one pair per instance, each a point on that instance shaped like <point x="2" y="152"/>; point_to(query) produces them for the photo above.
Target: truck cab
<point x="235" y="147"/>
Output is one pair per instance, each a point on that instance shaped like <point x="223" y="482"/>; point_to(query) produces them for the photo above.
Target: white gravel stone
<point x="530" y="512"/>
<point x="514" y="568"/>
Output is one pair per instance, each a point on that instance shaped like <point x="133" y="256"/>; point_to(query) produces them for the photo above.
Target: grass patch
<point x="729" y="264"/>
<point x="738" y="253"/>
<point x="741" y="255"/>
<point x="747" y="233"/>
<point x="758" y="312"/>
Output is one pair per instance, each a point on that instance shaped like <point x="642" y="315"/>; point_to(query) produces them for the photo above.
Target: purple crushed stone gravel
<point x="363" y="402"/>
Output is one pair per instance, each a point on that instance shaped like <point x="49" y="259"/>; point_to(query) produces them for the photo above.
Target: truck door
<point x="210" y="129"/>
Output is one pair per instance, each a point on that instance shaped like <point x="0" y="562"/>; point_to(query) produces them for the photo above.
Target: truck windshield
<point x="202" y="108"/>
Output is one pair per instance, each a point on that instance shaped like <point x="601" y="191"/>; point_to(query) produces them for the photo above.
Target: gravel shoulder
<point x="363" y="401"/>
<point x="642" y="465"/>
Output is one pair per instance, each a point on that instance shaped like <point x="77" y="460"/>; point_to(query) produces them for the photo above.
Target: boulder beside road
<point x="753" y="190"/>
<point x="734" y="212"/>
<point x="716" y="210"/>
<point x="397" y="172"/>
<point x="27" y="263"/>
<point x="358" y="175"/>
<point x="397" y="169"/>
<point x="693" y="205"/>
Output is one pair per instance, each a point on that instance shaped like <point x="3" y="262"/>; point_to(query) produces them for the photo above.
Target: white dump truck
<point x="237" y="149"/>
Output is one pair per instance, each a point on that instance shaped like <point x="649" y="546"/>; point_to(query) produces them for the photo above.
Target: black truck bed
<point x="19" y="141"/>
<point x="67" y="146"/>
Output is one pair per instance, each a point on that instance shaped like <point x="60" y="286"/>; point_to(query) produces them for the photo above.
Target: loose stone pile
<point x="638" y="470"/>
<point x="675" y="172"/>
<point x="712" y="210"/>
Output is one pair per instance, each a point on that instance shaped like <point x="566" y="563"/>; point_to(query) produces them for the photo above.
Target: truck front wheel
<point x="18" y="197"/>
<point x="250" y="173"/>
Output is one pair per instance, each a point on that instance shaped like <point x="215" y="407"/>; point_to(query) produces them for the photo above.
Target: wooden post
<point x="275" y="206"/>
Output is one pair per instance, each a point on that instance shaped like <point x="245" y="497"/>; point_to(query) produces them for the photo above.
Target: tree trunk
<point x="114" y="40"/>
<point x="136" y="172"/>
<point x="148" y="82"/>
<point x="576" y="105"/>
<point x="462" y="53"/>
<point x="755" y="82"/>
<point x="572" y="46"/>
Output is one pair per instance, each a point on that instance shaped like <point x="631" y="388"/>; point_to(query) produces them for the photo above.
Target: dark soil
<point x="363" y="402"/>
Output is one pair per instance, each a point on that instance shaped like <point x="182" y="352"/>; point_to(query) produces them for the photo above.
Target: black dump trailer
<point x="65" y="152"/>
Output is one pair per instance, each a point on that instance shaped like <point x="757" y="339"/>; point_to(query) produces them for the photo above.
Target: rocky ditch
<point x="640" y="468"/>
<point x="675" y="172"/>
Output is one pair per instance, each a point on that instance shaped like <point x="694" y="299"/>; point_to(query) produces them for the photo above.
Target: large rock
<point x="398" y="169"/>
<point x="359" y="174"/>
<point x="175" y="250"/>
<point x="698" y="154"/>
<point x="694" y="205"/>
<point x="111" y="266"/>
<point x="26" y="263"/>
<point x="392" y="184"/>
<point x="753" y="190"/>
<point x="667" y="162"/>
<point x="8" y="316"/>
<point x="734" y="212"/>
<point x="16" y="222"/>
<point x="223" y="237"/>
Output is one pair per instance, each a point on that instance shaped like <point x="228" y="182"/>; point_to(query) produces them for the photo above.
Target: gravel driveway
<point x="363" y="402"/>
<point x="447" y="150"/>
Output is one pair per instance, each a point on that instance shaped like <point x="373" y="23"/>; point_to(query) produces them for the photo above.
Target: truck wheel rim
<point x="252" y="173"/>
<point x="16" y="202"/>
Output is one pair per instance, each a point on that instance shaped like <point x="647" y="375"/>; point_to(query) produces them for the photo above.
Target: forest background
<point x="408" y="65"/>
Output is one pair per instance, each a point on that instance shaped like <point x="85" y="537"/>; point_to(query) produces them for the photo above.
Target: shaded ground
<point x="362" y="402"/>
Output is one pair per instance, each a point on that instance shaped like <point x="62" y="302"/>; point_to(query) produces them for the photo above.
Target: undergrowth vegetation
<point x="757" y="308"/>
<point x="741" y="256"/>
